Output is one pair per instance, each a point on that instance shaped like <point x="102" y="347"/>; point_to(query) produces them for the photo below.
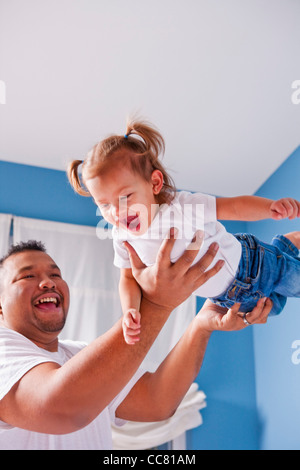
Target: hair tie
<point x="126" y="136"/>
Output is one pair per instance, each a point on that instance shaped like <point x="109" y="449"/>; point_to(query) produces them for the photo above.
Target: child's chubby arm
<point x="253" y="208"/>
<point x="130" y="295"/>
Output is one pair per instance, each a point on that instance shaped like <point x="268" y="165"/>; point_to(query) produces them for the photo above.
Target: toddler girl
<point x="136" y="195"/>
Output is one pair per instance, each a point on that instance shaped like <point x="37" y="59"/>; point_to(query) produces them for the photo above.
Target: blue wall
<point x="40" y="193"/>
<point x="227" y="377"/>
<point x="237" y="416"/>
<point x="277" y="377"/>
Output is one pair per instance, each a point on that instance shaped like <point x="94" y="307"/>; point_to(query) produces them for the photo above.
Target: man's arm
<point x="157" y="395"/>
<point x="253" y="208"/>
<point x="57" y="400"/>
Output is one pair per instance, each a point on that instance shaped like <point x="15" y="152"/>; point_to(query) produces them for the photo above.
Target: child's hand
<point x="286" y="207"/>
<point x="131" y="326"/>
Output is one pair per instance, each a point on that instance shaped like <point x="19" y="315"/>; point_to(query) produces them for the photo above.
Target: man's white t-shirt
<point x="188" y="212"/>
<point x="17" y="356"/>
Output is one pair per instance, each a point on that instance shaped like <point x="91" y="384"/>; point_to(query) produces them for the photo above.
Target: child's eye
<point x="104" y="206"/>
<point x="124" y="198"/>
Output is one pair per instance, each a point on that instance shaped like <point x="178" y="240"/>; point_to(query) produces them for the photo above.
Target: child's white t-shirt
<point x="188" y="212"/>
<point x="17" y="356"/>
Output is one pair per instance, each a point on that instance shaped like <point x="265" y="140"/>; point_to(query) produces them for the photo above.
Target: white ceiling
<point x="215" y="76"/>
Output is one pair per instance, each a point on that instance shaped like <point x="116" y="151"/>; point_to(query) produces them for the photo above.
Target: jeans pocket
<point x="255" y="263"/>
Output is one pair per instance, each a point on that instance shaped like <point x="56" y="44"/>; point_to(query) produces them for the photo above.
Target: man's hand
<point x="168" y="284"/>
<point x="213" y="318"/>
<point x="285" y="208"/>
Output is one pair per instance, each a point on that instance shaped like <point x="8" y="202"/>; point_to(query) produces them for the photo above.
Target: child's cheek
<point x="106" y="216"/>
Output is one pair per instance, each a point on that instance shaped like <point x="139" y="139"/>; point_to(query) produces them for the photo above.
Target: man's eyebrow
<point x="25" y="268"/>
<point x="54" y="266"/>
<point x="32" y="266"/>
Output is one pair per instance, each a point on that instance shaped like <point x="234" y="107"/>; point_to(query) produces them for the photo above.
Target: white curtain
<point x="85" y="257"/>
<point x="176" y="325"/>
<point x="5" y="223"/>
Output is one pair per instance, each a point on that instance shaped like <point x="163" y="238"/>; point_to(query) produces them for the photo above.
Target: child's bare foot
<point x="294" y="237"/>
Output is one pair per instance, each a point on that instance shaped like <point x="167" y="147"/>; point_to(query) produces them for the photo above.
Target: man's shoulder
<point x="73" y="347"/>
<point x="8" y="335"/>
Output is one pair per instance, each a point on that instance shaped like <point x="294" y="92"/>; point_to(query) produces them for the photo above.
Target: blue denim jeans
<point x="265" y="270"/>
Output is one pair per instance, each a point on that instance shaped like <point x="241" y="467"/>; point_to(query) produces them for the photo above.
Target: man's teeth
<point x="48" y="299"/>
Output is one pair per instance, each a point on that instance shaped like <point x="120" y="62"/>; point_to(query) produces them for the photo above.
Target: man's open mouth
<point x="48" y="302"/>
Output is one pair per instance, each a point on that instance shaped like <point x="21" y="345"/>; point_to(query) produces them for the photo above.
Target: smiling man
<point x="34" y="293"/>
<point x="64" y="394"/>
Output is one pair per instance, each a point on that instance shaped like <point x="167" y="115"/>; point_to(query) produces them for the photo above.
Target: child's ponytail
<point x="153" y="140"/>
<point x="74" y="179"/>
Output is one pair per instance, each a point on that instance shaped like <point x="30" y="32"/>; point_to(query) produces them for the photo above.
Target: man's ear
<point x="157" y="181"/>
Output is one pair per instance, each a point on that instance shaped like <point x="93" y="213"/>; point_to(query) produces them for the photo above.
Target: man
<point x="62" y="395"/>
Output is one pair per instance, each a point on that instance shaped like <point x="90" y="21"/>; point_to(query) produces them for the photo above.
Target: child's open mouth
<point x="132" y="223"/>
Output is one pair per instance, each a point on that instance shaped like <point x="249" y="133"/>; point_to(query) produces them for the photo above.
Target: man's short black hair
<point x="30" y="245"/>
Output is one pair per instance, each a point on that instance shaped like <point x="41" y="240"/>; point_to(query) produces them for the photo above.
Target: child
<point x="135" y="194"/>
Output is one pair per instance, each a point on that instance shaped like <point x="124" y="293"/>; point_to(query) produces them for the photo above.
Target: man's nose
<point x="47" y="283"/>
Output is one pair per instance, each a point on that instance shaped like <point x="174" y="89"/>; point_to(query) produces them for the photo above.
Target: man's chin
<point x="51" y="324"/>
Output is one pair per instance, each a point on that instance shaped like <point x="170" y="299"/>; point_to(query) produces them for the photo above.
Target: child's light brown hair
<point x="140" y="147"/>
